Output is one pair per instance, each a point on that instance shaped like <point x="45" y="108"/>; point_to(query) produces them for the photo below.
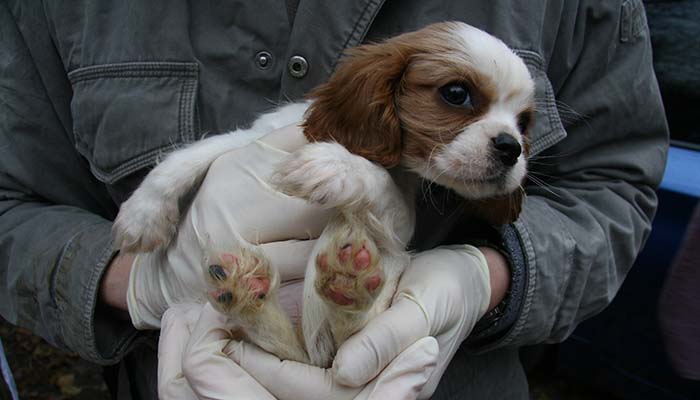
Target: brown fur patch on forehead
<point x="427" y="120"/>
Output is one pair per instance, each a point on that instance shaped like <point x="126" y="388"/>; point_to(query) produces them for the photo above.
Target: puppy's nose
<point x="507" y="148"/>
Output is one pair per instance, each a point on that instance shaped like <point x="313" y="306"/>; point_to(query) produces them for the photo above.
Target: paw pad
<point x="217" y="272"/>
<point x="348" y="272"/>
<point x="240" y="281"/>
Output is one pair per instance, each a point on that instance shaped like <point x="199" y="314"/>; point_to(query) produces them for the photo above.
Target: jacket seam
<point x="38" y="74"/>
<point x="135" y="69"/>
<point x="133" y="164"/>
<point x="556" y="130"/>
<point x="188" y="93"/>
<point x="181" y="110"/>
<point x="355" y="36"/>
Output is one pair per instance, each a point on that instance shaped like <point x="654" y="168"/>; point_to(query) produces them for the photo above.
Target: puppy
<point x="448" y="103"/>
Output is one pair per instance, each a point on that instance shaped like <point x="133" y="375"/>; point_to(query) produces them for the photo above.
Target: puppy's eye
<point x="524" y="120"/>
<point x="456" y="94"/>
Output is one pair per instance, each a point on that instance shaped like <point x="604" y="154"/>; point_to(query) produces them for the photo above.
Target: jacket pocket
<point x="127" y="115"/>
<point x="547" y="129"/>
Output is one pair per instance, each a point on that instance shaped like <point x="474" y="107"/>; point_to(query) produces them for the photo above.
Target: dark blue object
<point x="621" y="351"/>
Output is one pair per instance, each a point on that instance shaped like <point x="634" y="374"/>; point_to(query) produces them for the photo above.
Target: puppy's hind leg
<point x="360" y="255"/>
<point x="356" y="273"/>
<point x="243" y="285"/>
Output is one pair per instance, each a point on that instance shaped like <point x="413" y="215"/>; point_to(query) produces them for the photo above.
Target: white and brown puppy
<point x="448" y="103"/>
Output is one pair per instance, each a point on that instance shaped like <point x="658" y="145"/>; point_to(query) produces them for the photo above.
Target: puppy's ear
<point x="496" y="210"/>
<point x="356" y="107"/>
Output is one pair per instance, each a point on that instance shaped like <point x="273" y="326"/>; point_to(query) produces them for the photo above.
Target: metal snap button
<point x="263" y="60"/>
<point x="298" y="67"/>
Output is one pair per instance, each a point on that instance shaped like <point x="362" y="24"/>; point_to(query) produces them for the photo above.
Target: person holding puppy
<point x="97" y="91"/>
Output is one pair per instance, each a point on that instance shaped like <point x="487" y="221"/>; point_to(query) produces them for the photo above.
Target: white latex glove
<point x="216" y="367"/>
<point x="234" y="197"/>
<point x="442" y="294"/>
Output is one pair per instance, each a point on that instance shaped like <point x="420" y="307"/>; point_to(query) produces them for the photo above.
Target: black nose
<point x="507" y="148"/>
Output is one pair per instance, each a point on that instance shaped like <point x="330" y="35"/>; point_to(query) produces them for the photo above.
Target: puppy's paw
<point x="240" y="281"/>
<point x="325" y="174"/>
<point x="145" y="222"/>
<point x="349" y="275"/>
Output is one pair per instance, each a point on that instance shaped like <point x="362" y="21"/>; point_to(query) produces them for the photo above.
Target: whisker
<point x="427" y="190"/>
<point x="540" y="183"/>
<point x="539" y="173"/>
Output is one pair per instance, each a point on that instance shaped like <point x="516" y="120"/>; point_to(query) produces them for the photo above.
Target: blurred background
<point x="646" y="345"/>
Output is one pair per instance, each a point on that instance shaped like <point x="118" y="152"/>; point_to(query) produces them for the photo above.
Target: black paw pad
<point x="225" y="298"/>
<point x="217" y="272"/>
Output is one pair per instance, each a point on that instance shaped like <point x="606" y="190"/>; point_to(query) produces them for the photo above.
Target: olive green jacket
<point x="92" y="92"/>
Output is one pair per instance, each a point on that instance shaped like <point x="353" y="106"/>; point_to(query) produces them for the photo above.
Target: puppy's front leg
<point x="149" y="218"/>
<point x="349" y="280"/>
<point x="360" y="255"/>
<point x="355" y="276"/>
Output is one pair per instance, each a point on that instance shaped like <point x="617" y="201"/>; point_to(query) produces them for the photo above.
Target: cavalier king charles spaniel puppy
<point x="449" y="104"/>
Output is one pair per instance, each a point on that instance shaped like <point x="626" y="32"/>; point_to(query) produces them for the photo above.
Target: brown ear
<point x="496" y="210"/>
<point x="356" y="106"/>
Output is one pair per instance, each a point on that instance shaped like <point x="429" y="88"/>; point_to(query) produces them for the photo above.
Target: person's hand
<point x="442" y="294"/>
<point x="233" y="203"/>
<point x="198" y="359"/>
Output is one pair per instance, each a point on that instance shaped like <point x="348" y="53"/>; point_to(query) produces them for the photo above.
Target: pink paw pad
<point x="259" y="286"/>
<point x="338" y="298"/>
<point x="229" y="258"/>
<point x="349" y="273"/>
<point x="373" y="282"/>
<point x="363" y="259"/>
<point x="345" y="253"/>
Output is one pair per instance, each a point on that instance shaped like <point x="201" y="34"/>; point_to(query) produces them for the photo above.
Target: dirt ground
<point x="44" y="373"/>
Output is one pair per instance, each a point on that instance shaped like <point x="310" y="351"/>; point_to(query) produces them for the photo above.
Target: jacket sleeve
<point x="584" y="224"/>
<point x="54" y="215"/>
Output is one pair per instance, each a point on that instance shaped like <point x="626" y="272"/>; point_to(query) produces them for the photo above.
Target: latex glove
<point x="216" y="367"/>
<point x="233" y="201"/>
<point x="443" y="293"/>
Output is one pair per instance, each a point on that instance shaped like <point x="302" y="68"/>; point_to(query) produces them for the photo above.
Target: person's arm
<point x="54" y="215"/>
<point x="581" y="230"/>
<point x="115" y="284"/>
<point x="499" y="275"/>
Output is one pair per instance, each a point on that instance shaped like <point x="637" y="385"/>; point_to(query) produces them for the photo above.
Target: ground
<point x="45" y="373"/>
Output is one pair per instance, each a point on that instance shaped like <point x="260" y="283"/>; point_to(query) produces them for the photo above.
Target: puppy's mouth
<point x="475" y="188"/>
<point x="489" y="181"/>
<point x="495" y="179"/>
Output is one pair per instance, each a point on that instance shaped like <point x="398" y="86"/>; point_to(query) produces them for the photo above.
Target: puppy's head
<point x="449" y="102"/>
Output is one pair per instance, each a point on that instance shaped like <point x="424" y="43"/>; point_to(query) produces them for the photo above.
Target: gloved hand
<point x="198" y="359"/>
<point x="443" y="293"/>
<point x="234" y="201"/>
